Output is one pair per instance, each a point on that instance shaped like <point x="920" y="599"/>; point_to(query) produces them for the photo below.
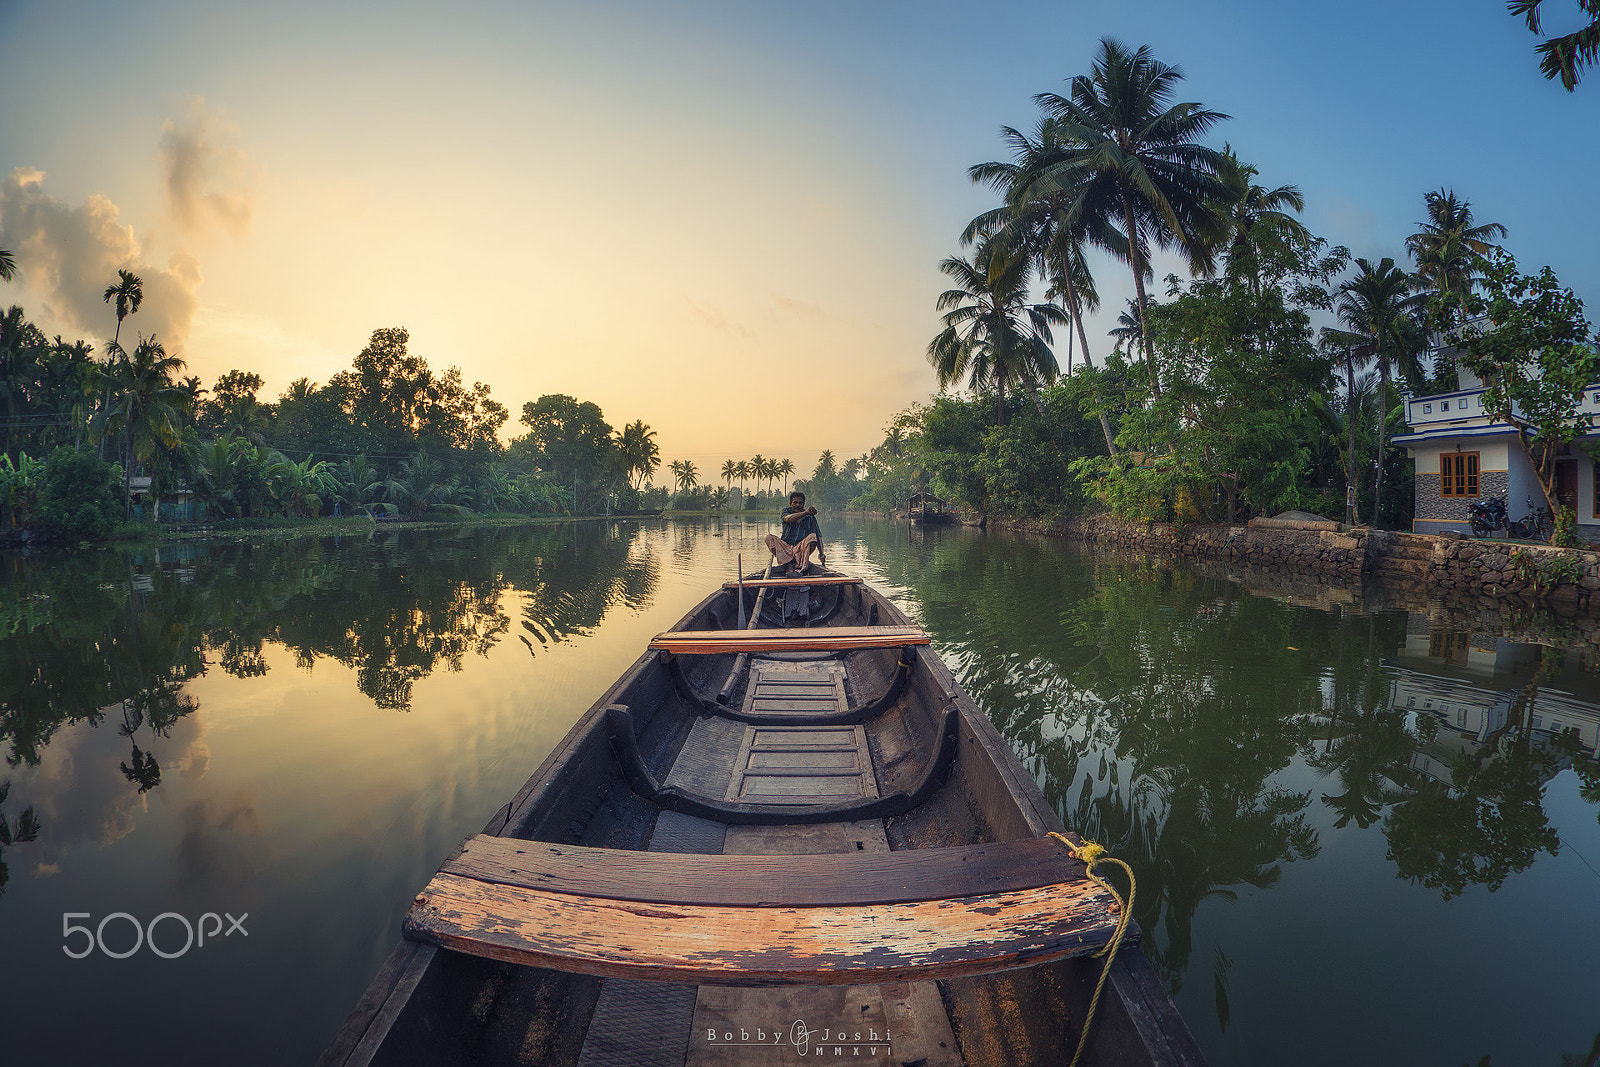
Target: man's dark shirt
<point x="795" y="531"/>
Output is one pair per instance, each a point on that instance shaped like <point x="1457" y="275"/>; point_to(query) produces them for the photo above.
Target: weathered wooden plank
<point x="820" y="579"/>
<point x="845" y="945"/>
<point x="820" y="639"/>
<point x="758" y="880"/>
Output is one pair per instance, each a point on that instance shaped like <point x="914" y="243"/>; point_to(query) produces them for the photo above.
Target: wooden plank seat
<point x="824" y="639"/>
<point x="800" y="580"/>
<point x="839" y="918"/>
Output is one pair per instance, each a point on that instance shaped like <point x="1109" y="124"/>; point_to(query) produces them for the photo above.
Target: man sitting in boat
<point x="800" y="535"/>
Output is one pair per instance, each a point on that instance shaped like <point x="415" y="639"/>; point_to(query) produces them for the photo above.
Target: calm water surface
<point x="1362" y="834"/>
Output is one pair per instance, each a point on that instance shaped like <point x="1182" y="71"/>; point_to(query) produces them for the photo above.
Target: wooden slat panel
<point x="801" y="737"/>
<point x="821" y="639"/>
<point x="808" y="703"/>
<point x="799" y="881"/>
<point x="764" y="759"/>
<point x="762" y="946"/>
<point x="821" y="579"/>
<point x="801" y="789"/>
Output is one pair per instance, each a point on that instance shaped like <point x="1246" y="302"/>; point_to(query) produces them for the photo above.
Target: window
<point x="1595" y="471"/>
<point x="1458" y="474"/>
<point x="1427" y="409"/>
<point x="1444" y="405"/>
<point x="1480" y="401"/>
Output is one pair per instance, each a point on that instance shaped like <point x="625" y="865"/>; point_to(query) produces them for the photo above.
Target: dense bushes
<point x="80" y="496"/>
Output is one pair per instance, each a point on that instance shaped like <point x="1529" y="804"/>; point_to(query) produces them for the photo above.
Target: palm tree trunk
<point x="1352" y="515"/>
<point x="1083" y="341"/>
<point x="1138" y="288"/>
<point x="1383" y="412"/>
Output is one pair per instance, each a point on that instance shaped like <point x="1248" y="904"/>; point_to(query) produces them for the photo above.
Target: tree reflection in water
<point x="1163" y="711"/>
<point x="120" y="634"/>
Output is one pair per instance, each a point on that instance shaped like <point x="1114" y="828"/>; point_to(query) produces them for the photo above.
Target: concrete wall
<point x="1446" y="565"/>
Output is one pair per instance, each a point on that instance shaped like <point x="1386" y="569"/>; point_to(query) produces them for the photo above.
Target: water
<point x="1347" y="850"/>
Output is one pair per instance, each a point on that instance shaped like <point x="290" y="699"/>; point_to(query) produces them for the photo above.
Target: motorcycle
<point x="1487" y="516"/>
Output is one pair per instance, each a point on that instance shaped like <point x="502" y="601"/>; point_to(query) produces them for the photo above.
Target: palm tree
<point x="730" y="471"/>
<point x="641" y="456"/>
<point x="742" y="472"/>
<point x="8" y="266"/>
<point x="356" y="476"/>
<point x="1037" y="216"/>
<point x="1253" y="218"/>
<point x="684" y="473"/>
<point x="1038" y="219"/>
<point x="1129" y="330"/>
<point x="1565" y="56"/>
<point x="1446" y="248"/>
<point x="992" y="334"/>
<point x="1378" y="308"/>
<point x="785" y="468"/>
<point x="128" y="292"/>
<point x="1133" y="159"/>
<point x="758" y="469"/>
<point x="147" y="406"/>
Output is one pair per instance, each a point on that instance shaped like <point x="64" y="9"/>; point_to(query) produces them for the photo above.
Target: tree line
<point x="390" y="435"/>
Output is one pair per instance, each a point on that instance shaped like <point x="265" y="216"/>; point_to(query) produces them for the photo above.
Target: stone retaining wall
<point x="1444" y="564"/>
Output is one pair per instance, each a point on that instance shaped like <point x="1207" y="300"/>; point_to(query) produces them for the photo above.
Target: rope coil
<point x="1092" y="855"/>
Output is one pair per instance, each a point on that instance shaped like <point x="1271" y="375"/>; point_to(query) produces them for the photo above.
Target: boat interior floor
<point x="656" y="1024"/>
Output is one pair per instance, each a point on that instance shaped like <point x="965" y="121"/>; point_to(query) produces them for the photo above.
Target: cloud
<point x="68" y="255"/>
<point x="80" y="794"/>
<point x="796" y="307"/>
<point x="207" y="176"/>
<point x="716" y="319"/>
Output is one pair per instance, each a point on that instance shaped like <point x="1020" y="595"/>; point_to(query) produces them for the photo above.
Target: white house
<point x="1463" y="455"/>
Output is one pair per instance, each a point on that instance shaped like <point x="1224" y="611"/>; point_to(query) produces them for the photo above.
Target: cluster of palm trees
<point x="686" y="475"/>
<point x="1390" y="318"/>
<point x="1117" y="166"/>
<point x="757" y="468"/>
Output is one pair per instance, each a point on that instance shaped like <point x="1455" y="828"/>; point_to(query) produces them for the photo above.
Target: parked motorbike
<point x="1487" y="516"/>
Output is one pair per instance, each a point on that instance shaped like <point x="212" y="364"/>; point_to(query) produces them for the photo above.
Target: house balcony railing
<point x="1464" y="408"/>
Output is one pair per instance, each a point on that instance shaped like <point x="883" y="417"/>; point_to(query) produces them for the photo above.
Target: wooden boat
<point x="784" y="832"/>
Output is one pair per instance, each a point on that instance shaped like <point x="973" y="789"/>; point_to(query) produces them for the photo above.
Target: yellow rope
<point x="1092" y="854"/>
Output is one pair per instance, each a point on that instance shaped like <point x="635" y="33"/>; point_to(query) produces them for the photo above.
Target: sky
<point x="725" y="219"/>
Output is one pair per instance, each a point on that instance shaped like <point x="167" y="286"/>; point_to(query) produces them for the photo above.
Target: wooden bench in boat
<point x="831" y="919"/>
<point x="802" y="580"/>
<point x="820" y="639"/>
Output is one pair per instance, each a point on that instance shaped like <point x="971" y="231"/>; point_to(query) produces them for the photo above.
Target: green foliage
<point x="1546" y="571"/>
<point x="1536" y="357"/>
<point x="1566" y="55"/>
<point x="80" y="496"/>
<point x="1231" y="432"/>
<point x="1566" y="532"/>
<point x="570" y="441"/>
